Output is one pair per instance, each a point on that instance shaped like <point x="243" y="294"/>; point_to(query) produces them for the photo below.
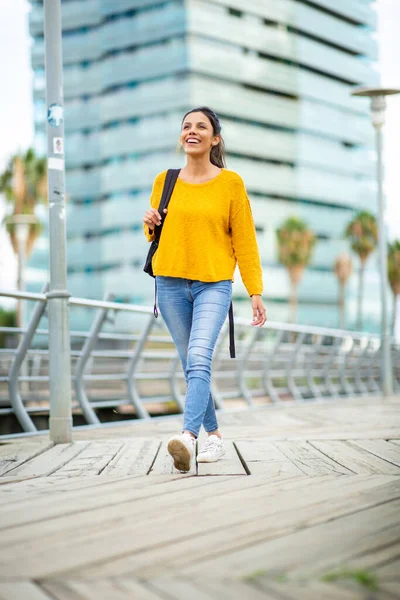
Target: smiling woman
<point x="208" y="231"/>
<point x="198" y="137"/>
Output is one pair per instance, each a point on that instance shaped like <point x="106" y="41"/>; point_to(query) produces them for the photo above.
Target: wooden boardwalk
<point x="305" y="506"/>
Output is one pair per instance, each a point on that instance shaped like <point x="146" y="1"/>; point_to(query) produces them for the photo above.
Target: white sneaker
<point x="212" y="450"/>
<point x="181" y="448"/>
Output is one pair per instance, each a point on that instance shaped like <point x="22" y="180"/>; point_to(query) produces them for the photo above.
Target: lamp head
<point x="378" y="101"/>
<point x="371" y="91"/>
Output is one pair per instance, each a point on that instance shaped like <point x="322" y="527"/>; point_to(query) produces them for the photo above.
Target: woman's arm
<point x="152" y="217"/>
<point x="244" y="241"/>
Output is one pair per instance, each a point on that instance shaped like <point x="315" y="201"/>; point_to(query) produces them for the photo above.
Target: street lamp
<point x="378" y="106"/>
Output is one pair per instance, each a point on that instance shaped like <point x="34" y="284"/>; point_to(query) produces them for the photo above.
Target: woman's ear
<point x="216" y="140"/>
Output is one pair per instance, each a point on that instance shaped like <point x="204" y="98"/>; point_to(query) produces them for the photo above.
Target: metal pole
<point x="21" y="242"/>
<point x="378" y="105"/>
<point x="22" y="231"/>
<point x="59" y="338"/>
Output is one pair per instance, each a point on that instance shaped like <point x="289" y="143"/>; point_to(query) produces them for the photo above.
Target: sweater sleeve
<point x="244" y="241"/>
<point x="155" y="198"/>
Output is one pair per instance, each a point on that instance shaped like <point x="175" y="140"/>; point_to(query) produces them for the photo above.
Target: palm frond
<point x="362" y="233"/>
<point x="295" y="243"/>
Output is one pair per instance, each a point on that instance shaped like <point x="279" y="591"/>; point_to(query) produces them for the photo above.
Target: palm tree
<point x="295" y="248"/>
<point x="362" y="232"/>
<point x="24" y="184"/>
<point x="343" y="268"/>
<point x="394" y="275"/>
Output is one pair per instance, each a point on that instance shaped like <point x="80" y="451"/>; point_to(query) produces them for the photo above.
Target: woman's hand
<point x="152" y="218"/>
<point x="259" y="312"/>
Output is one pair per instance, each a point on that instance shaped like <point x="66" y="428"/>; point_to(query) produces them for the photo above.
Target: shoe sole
<point x="210" y="460"/>
<point x="180" y="455"/>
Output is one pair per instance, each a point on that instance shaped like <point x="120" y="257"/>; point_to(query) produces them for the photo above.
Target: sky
<point x="16" y="111"/>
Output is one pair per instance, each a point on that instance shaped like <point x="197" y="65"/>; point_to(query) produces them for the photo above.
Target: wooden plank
<point x="109" y="493"/>
<point x="260" y="450"/>
<point x="249" y="534"/>
<point x="15" y="454"/>
<point x="307" y="590"/>
<point x="391" y="569"/>
<point x="229" y="464"/>
<point x="98" y="589"/>
<point x="164" y="464"/>
<point x="22" y="590"/>
<point x="381" y="449"/>
<point x="109" y="531"/>
<point x="355" y="459"/>
<point x="232" y="589"/>
<point x="135" y="457"/>
<point x="264" y="458"/>
<point x="314" y="551"/>
<point x="140" y="590"/>
<point x="50" y="461"/>
<point x="6" y="480"/>
<point x="392" y="588"/>
<point x="92" y="460"/>
<point x="309" y="460"/>
<point x="229" y="526"/>
<point x="384" y="551"/>
<point x="274" y="469"/>
<point x="179" y="588"/>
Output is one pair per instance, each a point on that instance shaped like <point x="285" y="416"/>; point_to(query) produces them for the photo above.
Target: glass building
<point x="279" y="74"/>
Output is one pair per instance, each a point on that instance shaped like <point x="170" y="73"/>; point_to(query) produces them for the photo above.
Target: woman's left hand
<point x="259" y="312"/>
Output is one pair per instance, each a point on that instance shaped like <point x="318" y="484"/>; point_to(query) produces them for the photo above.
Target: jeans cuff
<point x="210" y="429"/>
<point x="190" y="431"/>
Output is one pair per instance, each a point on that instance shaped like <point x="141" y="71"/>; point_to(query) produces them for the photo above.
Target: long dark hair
<point x="217" y="155"/>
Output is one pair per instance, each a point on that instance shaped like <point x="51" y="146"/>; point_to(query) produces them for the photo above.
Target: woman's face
<point x="197" y="135"/>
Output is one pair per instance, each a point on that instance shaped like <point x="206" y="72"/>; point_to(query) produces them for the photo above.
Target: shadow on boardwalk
<point x="305" y="505"/>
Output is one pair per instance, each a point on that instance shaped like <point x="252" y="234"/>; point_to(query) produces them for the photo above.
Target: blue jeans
<point x="194" y="313"/>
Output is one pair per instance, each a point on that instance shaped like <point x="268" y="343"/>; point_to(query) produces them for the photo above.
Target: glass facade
<point x="278" y="73"/>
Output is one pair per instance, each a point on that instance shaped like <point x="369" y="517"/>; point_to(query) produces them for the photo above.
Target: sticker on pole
<point x="58" y="145"/>
<point x="56" y="164"/>
<point x="55" y="115"/>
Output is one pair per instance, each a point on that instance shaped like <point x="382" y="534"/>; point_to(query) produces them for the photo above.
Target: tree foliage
<point x="24" y="185"/>
<point x="295" y="243"/>
<point x="362" y="233"/>
<point x="394" y="266"/>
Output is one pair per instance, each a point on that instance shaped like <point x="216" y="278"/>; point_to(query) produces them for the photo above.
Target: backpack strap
<point x="232" y="350"/>
<point x="169" y="184"/>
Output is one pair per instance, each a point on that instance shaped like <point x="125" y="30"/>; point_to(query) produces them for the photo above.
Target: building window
<point x="234" y="12"/>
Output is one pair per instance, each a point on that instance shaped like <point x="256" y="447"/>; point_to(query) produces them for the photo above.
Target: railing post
<point x="134" y="395"/>
<point x="242" y="365"/>
<point x="267" y="377"/>
<point x="313" y="358"/>
<point x="81" y="364"/>
<point x="297" y="395"/>
<point x="16" y="402"/>
<point x="329" y="362"/>
<point x="59" y="338"/>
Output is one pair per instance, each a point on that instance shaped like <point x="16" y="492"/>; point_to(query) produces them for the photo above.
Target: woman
<point x="209" y="229"/>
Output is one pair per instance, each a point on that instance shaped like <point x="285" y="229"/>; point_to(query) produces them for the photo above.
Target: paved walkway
<point x="306" y="505"/>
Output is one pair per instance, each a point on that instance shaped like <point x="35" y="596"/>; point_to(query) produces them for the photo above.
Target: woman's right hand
<point x="152" y="218"/>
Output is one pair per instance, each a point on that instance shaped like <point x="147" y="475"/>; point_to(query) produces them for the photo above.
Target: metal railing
<point x="138" y="371"/>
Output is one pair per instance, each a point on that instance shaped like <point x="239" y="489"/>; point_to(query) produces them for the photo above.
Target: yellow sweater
<point x="208" y="229"/>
